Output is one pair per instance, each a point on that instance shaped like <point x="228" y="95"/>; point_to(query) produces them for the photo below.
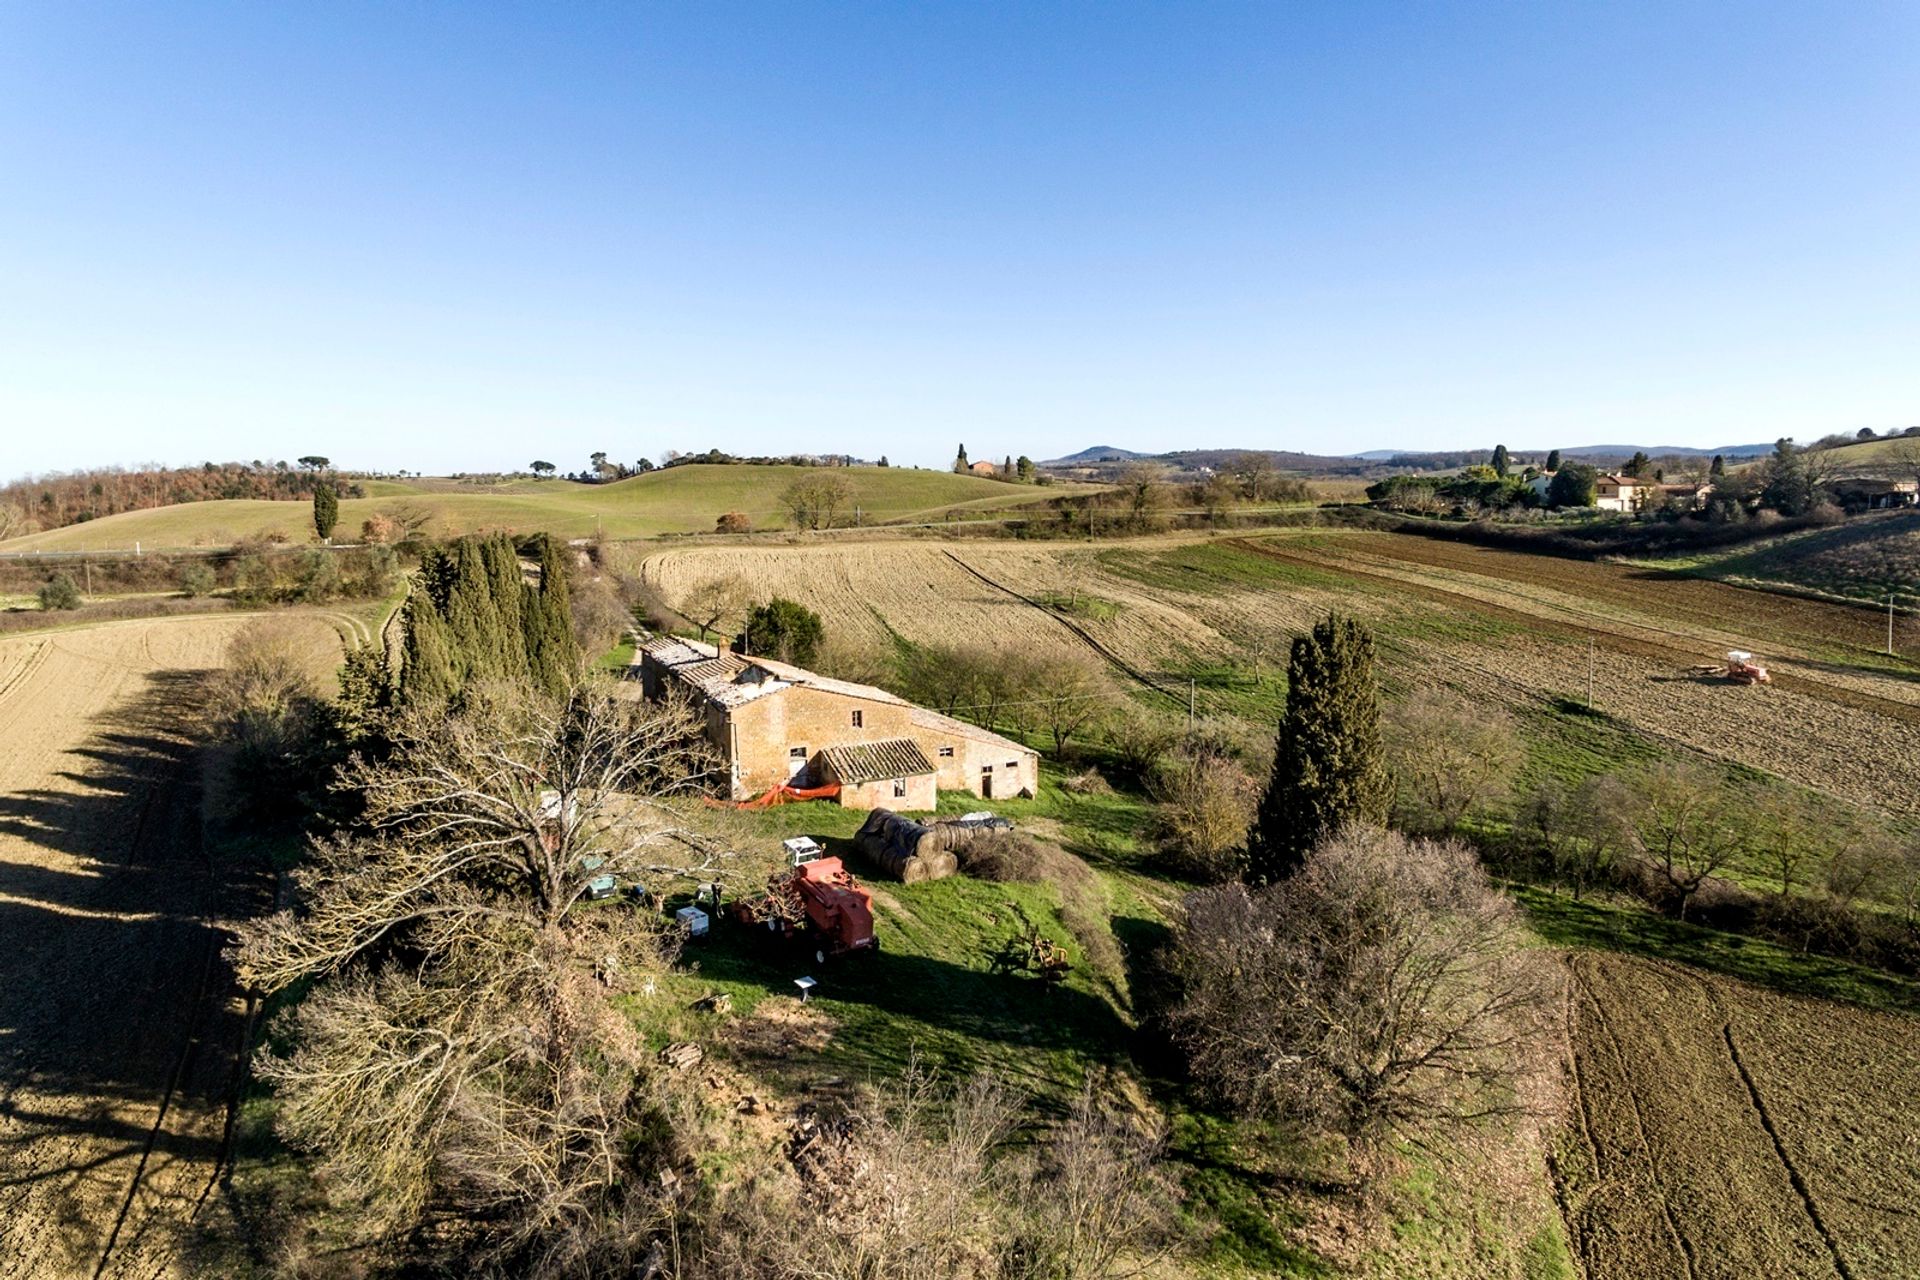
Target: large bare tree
<point x="1383" y="988"/>
<point x="1449" y="756"/>
<point x="459" y="1054"/>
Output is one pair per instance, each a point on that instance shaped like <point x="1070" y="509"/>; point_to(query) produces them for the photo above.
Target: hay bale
<point x="907" y="850"/>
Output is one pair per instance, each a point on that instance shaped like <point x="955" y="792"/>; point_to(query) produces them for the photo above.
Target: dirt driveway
<point x="118" y="1027"/>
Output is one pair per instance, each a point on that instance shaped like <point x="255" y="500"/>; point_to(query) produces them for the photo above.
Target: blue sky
<point x="464" y="236"/>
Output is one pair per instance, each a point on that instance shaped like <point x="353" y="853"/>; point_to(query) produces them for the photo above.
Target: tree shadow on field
<point x="117" y="1033"/>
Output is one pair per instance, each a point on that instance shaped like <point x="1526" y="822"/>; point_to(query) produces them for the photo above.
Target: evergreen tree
<point x="1637" y="465"/>
<point x="1572" y="486"/>
<point x="1327" y="766"/>
<point x="366" y="694"/>
<point x="1006" y="468"/>
<point x="960" y="459"/>
<point x="783" y="629"/>
<point x="472" y="627"/>
<point x="1719" y="467"/>
<point x="553" y="655"/>
<point x="326" y="510"/>
<point x="427" y="676"/>
<point x="1553" y="460"/>
<point x="507" y="589"/>
<point x="1500" y="461"/>
<point x="1024" y="469"/>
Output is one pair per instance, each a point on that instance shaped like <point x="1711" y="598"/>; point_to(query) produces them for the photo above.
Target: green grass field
<point x="678" y="500"/>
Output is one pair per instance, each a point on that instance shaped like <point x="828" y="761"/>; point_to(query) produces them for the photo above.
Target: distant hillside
<point x="686" y="499"/>
<point x="1099" y="453"/>
<point x="1104" y="462"/>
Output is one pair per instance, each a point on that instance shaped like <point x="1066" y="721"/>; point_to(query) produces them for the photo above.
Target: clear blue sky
<point x="462" y="236"/>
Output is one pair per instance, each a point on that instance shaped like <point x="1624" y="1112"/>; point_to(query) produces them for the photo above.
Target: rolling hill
<point x="677" y="500"/>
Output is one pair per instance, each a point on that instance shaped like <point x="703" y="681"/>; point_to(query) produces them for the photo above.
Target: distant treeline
<point x="62" y="498"/>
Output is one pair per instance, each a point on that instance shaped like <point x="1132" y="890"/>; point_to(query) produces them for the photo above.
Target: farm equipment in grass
<point x="1030" y="951"/>
<point x="1740" y="668"/>
<point x="817" y="902"/>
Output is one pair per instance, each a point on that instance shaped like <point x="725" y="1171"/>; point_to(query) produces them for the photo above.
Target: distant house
<point x="1631" y="493"/>
<point x="984" y="468"/>
<point x="1620" y="493"/>
<point x="774" y="723"/>
<point x="1865" y="494"/>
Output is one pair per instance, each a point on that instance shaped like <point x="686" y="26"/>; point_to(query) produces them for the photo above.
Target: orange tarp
<point x="782" y="794"/>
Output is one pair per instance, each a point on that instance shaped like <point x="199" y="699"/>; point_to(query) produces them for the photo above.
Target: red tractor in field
<point x="819" y="903"/>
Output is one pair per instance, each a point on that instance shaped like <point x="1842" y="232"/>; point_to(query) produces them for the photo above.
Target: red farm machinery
<point x="817" y="903"/>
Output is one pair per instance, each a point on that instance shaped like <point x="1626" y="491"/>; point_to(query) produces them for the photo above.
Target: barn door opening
<point x="796" y="761"/>
<point x="986" y="782"/>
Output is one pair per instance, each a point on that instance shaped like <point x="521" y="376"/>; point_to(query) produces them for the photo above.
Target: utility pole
<point x="1589" y="673"/>
<point x="1889" y="622"/>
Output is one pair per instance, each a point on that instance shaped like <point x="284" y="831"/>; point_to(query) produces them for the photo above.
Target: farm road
<point x="119" y="1031"/>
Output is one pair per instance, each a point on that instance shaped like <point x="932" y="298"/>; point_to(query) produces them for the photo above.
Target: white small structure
<point x="693" y="920"/>
<point x="806" y="986"/>
<point x="802" y="850"/>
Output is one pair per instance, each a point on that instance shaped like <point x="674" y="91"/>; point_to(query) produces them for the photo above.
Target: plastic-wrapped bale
<point x="907" y="850"/>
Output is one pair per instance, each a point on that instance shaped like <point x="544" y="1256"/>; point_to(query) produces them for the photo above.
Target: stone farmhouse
<point x="1631" y="493"/>
<point x="776" y="724"/>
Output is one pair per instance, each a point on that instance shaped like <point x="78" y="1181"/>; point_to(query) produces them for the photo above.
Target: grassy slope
<point x="678" y="500"/>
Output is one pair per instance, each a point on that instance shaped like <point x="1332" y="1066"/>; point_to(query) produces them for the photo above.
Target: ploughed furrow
<point x="1725" y="1131"/>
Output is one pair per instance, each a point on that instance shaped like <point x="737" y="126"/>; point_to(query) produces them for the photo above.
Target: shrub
<point x="59" y="592"/>
<point x="197" y="579"/>
<point x="734" y="522"/>
<point x="783" y="629"/>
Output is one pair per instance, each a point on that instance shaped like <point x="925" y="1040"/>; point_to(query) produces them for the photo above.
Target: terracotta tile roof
<point x="961" y="729"/>
<point x="860" y="762"/>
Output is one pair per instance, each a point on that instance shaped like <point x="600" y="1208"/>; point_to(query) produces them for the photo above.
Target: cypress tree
<point x="1501" y="462"/>
<point x="552" y="651"/>
<point x="507" y="590"/>
<point x="428" y="677"/>
<point x="1553" y="461"/>
<point x="472" y="630"/>
<point x="326" y="510"/>
<point x="1327" y="764"/>
<point x="1719" y="467"/>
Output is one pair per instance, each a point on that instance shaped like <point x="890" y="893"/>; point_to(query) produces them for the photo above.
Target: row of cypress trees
<point x="473" y="617"/>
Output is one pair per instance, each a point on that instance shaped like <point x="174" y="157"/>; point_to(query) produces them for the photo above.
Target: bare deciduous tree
<point x="1383" y="988"/>
<point x="1686" y="825"/>
<point x="718" y="604"/>
<point x="814" y="501"/>
<point x="459" y="1052"/>
<point x="1059" y="694"/>
<point x="1449" y="756"/>
<point x="1206" y="804"/>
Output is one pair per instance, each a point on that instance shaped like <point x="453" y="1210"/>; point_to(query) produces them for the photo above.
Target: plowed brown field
<point x="1722" y="1131"/>
<point x="118" y="1028"/>
<point x="1846" y="725"/>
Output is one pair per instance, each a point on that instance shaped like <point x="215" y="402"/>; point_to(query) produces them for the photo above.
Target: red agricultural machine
<point x="1740" y="668"/>
<point x="817" y="902"/>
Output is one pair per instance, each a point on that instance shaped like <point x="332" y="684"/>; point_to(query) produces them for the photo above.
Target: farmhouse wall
<point x="903" y="795"/>
<point x="771" y="734"/>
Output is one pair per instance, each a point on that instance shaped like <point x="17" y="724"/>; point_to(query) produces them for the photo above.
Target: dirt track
<point x="118" y="1030"/>
<point x="1717" y="1130"/>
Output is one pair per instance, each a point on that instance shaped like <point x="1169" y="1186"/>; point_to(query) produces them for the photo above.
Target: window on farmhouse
<point x="946" y="753"/>
<point x="857" y="720"/>
<point x="899" y="787"/>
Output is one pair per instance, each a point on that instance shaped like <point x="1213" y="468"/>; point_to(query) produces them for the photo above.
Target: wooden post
<point x="1589" y="673"/>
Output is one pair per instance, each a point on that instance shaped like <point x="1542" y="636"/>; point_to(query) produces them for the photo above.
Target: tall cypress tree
<point x="507" y="590"/>
<point x="326" y="509"/>
<point x="552" y="652"/>
<point x="1327" y="764"/>
<point x="1501" y="462"/>
<point x="472" y="629"/>
<point x="427" y="677"/>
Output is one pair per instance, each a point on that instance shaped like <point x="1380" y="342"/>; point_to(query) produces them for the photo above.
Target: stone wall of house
<point x="773" y="733"/>
<point x="903" y="795"/>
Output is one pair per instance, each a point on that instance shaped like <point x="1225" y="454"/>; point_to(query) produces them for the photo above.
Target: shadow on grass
<point x="1588" y="923"/>
<point x="892" y="1006"/>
